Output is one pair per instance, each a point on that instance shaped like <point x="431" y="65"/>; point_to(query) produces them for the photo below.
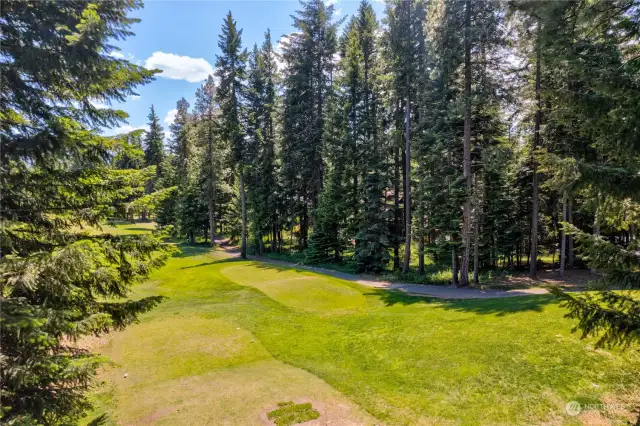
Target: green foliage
<point x="289" y="413"/>
<point x="308" y="55"/>
<point x="57" y="282"/>
<point x="130" y="154"/>
<point x="327" y="243"/>
<point x="230" y="68"/>
<point x="264" y="193"/>
<point x="612" y="316"/>
<point x="312" y="141"/>
<point x="594" y="87"/>
<point x="154" y="140"/>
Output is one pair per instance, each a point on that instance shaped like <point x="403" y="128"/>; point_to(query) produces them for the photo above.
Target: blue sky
<point x="181" y="38"/>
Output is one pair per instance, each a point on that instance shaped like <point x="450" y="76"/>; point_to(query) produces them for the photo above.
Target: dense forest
<point x="468" y="134"/>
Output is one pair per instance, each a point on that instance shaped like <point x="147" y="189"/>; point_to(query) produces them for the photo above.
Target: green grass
<point x="128" y="228"/>
<point x="289" y="413"/>
<point x="236" y="337"/>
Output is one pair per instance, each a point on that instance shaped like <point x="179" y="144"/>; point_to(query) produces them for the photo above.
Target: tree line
<point x="473" y="134"/>
<point x="469" y="133"/>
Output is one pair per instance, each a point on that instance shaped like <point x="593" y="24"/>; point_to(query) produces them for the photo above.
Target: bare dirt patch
<point x="574" y="279"/>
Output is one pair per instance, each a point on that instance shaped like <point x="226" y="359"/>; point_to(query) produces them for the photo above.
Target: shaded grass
<point x="236" y="337"/>
<point x="128" y="228"/>
<point x="435" y="273"/>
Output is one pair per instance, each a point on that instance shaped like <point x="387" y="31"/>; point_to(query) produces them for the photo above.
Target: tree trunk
<point x="476" y="243"/>
<point x="304" y="228"/>
<point x="466" y="160"/>
<point x="396" y="209"/>
<point x="570" y="256"/>
<point x="243" y="203"/>
<point x="407" y="182"/>
<point x="454" y="267"/>
<point x="274" y="236"/>
<point x="563" y="236"/>
<point x="533" y="262"/>
<point x="596" y="230"/>
<point x="421" y="232"/>
<point x="211" y="190"/>
<point x="291" y="240"/>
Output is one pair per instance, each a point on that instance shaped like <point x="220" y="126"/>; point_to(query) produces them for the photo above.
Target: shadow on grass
<point x="316" y="269"/>
<point x="213" y="262"/>
<point x="102" y="419"/>
<point x="188" y="250"/>
<point x="136" y="229"/>
<point x="495" y="306"/>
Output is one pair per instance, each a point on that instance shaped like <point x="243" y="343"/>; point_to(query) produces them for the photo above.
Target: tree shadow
<point x="273" y="264"/>
<point x="279" y="268"/>
<point x="213" y="262"/>
<point x="495" y="306"/>
<point x="149" y="230"/>
<point x="188" y="250"/>
<point x="102" y="419"/>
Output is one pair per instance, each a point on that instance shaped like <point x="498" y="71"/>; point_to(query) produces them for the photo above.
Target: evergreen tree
<point x="595" y="47"/>
<point x="261" y="98"/>
<point x="230" y="68"/>
<point x="372" y="240"/>
<point x="154" y="140"/>
<point x="268" y="167"/>
<point x="58" y="282"/>
<point x="327" y="242"/>
<point x="308" y="54"/>
<point x="181" y="143"/>
<point x="406" y="40"/>
<point x="206" y="113"/>
<point x="131" y="154"/>
<point x="441" y="131"/>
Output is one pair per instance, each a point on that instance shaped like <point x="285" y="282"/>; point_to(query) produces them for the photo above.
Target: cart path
<point x="440" y="292"/>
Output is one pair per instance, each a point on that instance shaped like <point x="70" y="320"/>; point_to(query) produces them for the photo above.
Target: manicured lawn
<point x="236" y="338"/>
<point x="127" y="228"/>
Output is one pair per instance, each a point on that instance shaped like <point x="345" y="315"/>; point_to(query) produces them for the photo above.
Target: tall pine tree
<point x="230" y="69"/>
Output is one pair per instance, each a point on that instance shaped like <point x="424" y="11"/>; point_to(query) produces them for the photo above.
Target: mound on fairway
<point x="297" y="289"/>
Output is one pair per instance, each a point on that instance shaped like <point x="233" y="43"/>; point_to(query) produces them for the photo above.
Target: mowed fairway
<point x="235" y="338"/>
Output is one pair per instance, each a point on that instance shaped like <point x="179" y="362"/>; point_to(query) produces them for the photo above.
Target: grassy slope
<point x="235" y="338"/>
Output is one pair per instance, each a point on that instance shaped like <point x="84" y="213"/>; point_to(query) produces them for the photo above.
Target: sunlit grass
<point x="235" y="338"/>
<point x="128" y="228"/>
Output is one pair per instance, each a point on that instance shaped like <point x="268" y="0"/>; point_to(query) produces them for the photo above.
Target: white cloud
<point x="119" y="55"/>
<point x="178" y="67"/>
<point x="126" y="128"/>
<point x="338" y="11"/>
<point x="330" y="2"/>
<point x="99" y="104"/>
<point x="135" y="97"/>
<point x="170" y="117"/>
<point x="279" y="48"/>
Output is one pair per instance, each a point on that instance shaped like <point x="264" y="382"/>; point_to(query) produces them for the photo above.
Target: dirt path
<point x="440" y="292"/>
